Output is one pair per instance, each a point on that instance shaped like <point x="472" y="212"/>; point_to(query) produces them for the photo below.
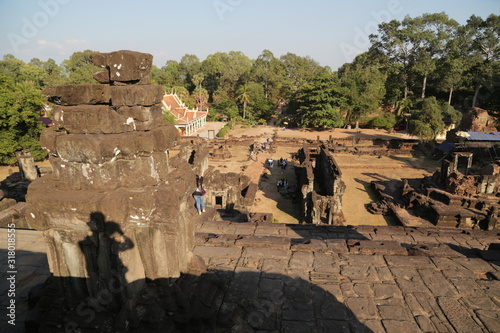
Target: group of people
<point x="282" y="164"/>
<point x="270" y="163"/>
<point x="282" y="184"/>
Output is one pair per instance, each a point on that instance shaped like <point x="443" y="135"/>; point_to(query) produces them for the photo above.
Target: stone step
<point x="334" y="239"/>
<point x="304" y="245"/>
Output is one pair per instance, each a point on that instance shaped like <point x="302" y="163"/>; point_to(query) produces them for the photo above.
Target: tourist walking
<point x="199" y="195"/>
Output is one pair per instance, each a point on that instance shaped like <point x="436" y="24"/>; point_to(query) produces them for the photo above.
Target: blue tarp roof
<point x="446" y="146"/>
<point x="479" y="136"/>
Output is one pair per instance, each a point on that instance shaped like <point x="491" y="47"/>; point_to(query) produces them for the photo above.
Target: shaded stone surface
<point x="258" y="288"/>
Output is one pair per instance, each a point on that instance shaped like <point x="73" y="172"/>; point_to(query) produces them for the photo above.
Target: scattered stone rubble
<point x="477" y="120"/>
<point x="13" y="190"/>
<point x="449" y="198"/>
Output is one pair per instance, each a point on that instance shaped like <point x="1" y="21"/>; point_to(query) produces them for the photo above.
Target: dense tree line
<point x="419" y="70"/>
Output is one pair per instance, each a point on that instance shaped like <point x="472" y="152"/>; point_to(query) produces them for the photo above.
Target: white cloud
<point x="78" y="43"/>
<point x="46" y="44"/>
<point x="65" y="48"/>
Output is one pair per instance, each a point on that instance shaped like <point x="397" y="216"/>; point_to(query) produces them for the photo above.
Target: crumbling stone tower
<point x="320" y="184"/>
<point x="115" y="210"/>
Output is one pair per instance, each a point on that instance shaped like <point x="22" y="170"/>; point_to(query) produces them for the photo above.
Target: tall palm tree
<point x="243" y="97"/>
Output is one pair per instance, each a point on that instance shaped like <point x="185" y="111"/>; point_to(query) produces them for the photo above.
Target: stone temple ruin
<point x="115" y="191"/>
<point x="320" y="184"/>
<point x="128" y="253"/>
<point x="449" y="198"/>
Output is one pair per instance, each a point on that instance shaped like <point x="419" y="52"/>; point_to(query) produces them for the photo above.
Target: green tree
<point x="428" y="34"/>
<point x="298" y="71"/>
<point x="12" y="67"/>
<point x="81" y="68"/>
<point x="259" y="106"/>
<point x="394" y="42"/>
<point x="431" y="118"/>
<point x="318" y="102"/>
<point x="226" y="109"/>
<point x="268" y="71"/>
<point x="200" y="94"/>
<point x="243" y="97"/>
<point x="20" y="106"/>
<point x="386" y="120"/>
<point x="189" y="66"/>
<point x="363" y="86"/>
<point x="485" y="44"/>
<point x="224" y="73"/>
<point x="172" y="74"/>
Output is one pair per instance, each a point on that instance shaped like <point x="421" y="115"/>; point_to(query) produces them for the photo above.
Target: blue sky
<point x="330" y="31"/>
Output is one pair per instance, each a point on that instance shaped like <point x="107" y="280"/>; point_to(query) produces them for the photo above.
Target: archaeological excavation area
<point x="354" y="234"/>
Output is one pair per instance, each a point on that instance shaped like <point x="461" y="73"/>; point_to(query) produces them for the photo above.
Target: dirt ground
<point x="357" y="172"/>
<point x="5" y="171"/>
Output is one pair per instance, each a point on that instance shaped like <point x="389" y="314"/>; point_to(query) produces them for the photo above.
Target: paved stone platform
<point x="355" y="279"/>
<point x="306" y="278"/>
<point x="30" y="268"/>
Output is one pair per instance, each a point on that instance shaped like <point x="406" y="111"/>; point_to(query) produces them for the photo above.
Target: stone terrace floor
<point x="297" y="278"/>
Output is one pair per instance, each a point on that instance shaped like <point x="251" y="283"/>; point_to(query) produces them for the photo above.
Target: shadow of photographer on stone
<point x="107" y="286"/>
<point x="103" y="298"/>
<point x="200" y="300"/>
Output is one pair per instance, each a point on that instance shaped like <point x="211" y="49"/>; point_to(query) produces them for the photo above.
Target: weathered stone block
<point x="6" y="203"/>
<point x="107" y="176"/>
<point x="83" y="119"/>
<point x="458" y="316"/>
<point x="140" y="113"/>
<point x="101" y="148"/>
<point x="102" y="77"/>
<point x="264" y="241"/>
<point x="130" y="95"/>
<point x="48" y="139"/>
<point x="130" y="257"/>
<point x="52" y="208"/>
<point x="13" y="213"/>
<point x="64" y="254"/>
<point x="129" y="207"/>
<point x="79" y="94"/>
<point x="124" y="65"/>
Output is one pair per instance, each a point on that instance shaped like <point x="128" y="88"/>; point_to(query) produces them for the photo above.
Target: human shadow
<point x="221" y="299"/>
<point x="490" y="255"/>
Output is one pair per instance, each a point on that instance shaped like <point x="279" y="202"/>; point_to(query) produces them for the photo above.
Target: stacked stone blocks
<point x="114" y="190"/>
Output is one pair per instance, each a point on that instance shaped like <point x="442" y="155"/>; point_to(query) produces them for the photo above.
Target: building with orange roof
<point x="187" y="121"/>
